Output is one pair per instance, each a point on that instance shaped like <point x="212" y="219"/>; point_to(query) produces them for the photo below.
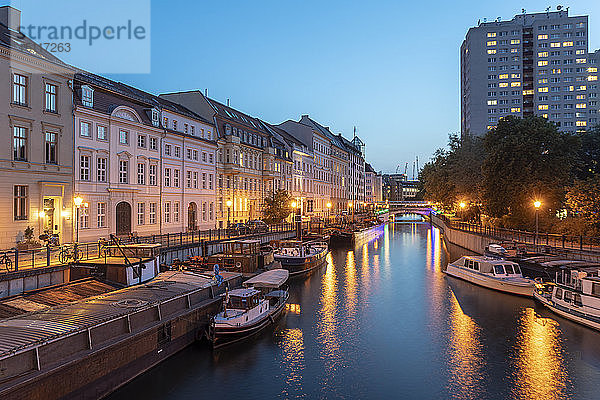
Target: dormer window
<point x="87" y="96"/>
<point x="174" y="125"/>
<point x="165" y="122"/>
<point x="155" y="116"/>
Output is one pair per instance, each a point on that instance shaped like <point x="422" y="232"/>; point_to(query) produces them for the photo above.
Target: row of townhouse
<point x="147" y="164"/>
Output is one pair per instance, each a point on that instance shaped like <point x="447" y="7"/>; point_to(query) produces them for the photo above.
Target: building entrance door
<point x="192" y="216"/>
<point x="123" y="215"/>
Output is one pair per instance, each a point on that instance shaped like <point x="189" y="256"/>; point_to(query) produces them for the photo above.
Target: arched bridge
<point x="422" y="208"/>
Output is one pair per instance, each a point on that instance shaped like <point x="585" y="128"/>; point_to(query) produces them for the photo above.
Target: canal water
<point x="383" y="321"/>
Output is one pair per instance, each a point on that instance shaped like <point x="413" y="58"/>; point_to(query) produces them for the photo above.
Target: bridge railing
<point x="577" y="242"/>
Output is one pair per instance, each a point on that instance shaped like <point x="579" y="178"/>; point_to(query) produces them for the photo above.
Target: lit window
<point x="542" y="37"/>
<point x="555" y="44"/>
<point x="580" y="105"/>
<point x="543" y="54"/>
<point x="492" y="102"/>
<point x="567" y="44"/>
<point x="541" y="63"/>
<point x="491" y="51"/>
<point x="543" y="107"/>
<point x="592" y="78"/>
<point x="515" y="109"/>
<point x="503" y="76"/>
<point x="543" y="89"/>
<point x="515" y="84"/>
<point x="491" y="43"/>
<point x="503" y="84"/>
<point x="581" y="123"/>
<point x="515" y="41"/>
<point x="581" y="61"/>
<point x="491" y="34"/>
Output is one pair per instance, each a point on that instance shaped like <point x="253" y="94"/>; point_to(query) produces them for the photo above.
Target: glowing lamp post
<point x="297" y="218"/>
<point x="328" y="210"/>
<point x="537" y="204"/>
<point x="351" y="205"/>
<point x="77" y="201"/>
<point x="462" y="206"/>
<point x="229" y="203"/>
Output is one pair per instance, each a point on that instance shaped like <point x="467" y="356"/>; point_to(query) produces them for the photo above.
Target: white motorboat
<point x="492" y="273"/>
<point x="574" y="295"/>
<point x="248" y="310"/>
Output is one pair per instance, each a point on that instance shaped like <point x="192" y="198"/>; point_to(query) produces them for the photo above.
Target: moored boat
<point x="248" y="310"/>
<point x="575" y="295"/>
<point x="301" y="257"/>
<point x="492" y="273"/>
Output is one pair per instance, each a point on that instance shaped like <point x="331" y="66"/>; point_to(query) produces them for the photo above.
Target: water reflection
<point x="466" y="355"/>
<point x="327" y="322"/>
<point x="540" y="370"/>
<point x="351" y="284"/>
<point x="292" y="347"/>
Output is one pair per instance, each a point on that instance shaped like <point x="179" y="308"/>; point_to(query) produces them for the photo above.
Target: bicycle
<point x="102" y="248"/>
<point x="68" y="252"/>
<point x="6" y="261"/>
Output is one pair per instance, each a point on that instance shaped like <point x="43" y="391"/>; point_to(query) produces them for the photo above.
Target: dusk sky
<point x="389" y="68"/>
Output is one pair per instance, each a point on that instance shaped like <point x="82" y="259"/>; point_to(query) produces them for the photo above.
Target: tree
<point x="588" y="156"/>
<point x="277" y="206"/>
<point x="583" y="199"/>
<point x="526" y="160"/>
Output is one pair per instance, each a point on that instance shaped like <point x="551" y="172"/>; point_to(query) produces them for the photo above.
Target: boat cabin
<point x="493" y="266"/>
<point x="125" y="265"/>
<point x="243" y="299"/>
<point x="243" y="256"/>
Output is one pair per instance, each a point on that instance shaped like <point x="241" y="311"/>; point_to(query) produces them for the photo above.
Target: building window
<point x="167" y="177"/>
<point x="50" y="147"/>
<point x="20" y="202"/>
<point x="141" y="173"/>
<point x="185" y="128"/>
<point x="50" y="97"/>
<point x="167" y="149"/>
<point x="84" y="217"/>
<point x="152" y="175"/>
<point x="141" y="213"/>
<point x="101" y="215"/>
<point x="155" y="117"/>
<point x="19" y="143"/>
<point x="84" y="168"/>
<point x="87" y="96"/>
<point x="123" y="136"/>
<point x="203" y="157"/>
<point x="176" y="211"/>
<point x="195" y="180"/>
<point x="153" y="143"/>
<point x="141" y="142"/>
<point x="204" y="211"/>
<point x="123" y="171"/>
<point x="210" y="181"/>
<point x="177" y="151"/>
<point x="189" y="179"/>
<point x="101" y="169"/>
<point x="152" y="214"/>
<point x="176" y="178"/>
<point x="195" y="155"/>
<point x="167" y="212"/>
<point x="204" y="180"/>
<point x="84" y="129"/>
<point x="101" y="132"/>
<point x="20" y="89"/>
<point x="211" y="211"/>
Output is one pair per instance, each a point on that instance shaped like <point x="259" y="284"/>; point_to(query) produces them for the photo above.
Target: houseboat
<point x="248" y="310"/>
<point x="575" y="295"/>
<point x="300" y="257"/>
<point x="492" y="273"/>
<point x="354" y="234"/>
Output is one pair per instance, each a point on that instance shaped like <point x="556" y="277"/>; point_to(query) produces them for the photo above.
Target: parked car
<point x="258" y="226"/>
<point x="237" y="229"/>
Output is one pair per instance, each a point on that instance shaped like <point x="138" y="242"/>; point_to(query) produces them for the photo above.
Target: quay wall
<point x="477" y="243"/>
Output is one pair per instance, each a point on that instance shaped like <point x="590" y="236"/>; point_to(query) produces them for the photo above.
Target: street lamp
<point x="328" y="210"/>
<point x="297" y="218"/>
<point x="462" y="206"/>
<point x="78" y="201"/>
<point x="228" y="211"/>
<point x="537" y="204"/>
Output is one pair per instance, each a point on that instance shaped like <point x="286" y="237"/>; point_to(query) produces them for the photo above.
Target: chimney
<point x="10" y="17"/>
<point x="227" y="102"/>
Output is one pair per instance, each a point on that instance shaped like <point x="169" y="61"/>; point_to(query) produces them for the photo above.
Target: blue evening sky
<point x="390" y="68"/>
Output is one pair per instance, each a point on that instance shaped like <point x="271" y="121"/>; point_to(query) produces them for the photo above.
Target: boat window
<point x="509" y="269"/>
<point x="558" y="293"/>
<point x="568" y="296"/>
<point x="476" y="266"/>
<point x="517" y="269"/>
<point x="596" y="289"/>
<point x="577" y="300"/>
<point x="498" y="269"/>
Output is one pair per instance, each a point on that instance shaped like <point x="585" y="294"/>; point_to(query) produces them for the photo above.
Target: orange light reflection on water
<point x="328" y="341"/>
<point x="466" y="354"/>
<point x="292" y="347"/>
<point x="540" y="371"/>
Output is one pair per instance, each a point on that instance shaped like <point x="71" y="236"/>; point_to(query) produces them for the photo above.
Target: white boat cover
<point x="270" y="279"/>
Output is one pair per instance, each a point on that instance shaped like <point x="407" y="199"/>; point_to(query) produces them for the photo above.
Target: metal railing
<point x="575" y="242"/>
<point x="48" y="256"/>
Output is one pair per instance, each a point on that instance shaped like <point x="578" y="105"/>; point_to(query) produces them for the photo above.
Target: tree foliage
<point x="583" y="199"/>
<point x="526" y="160"/>
<point x="277" y="207"/>
<point x="587" y="163"/>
